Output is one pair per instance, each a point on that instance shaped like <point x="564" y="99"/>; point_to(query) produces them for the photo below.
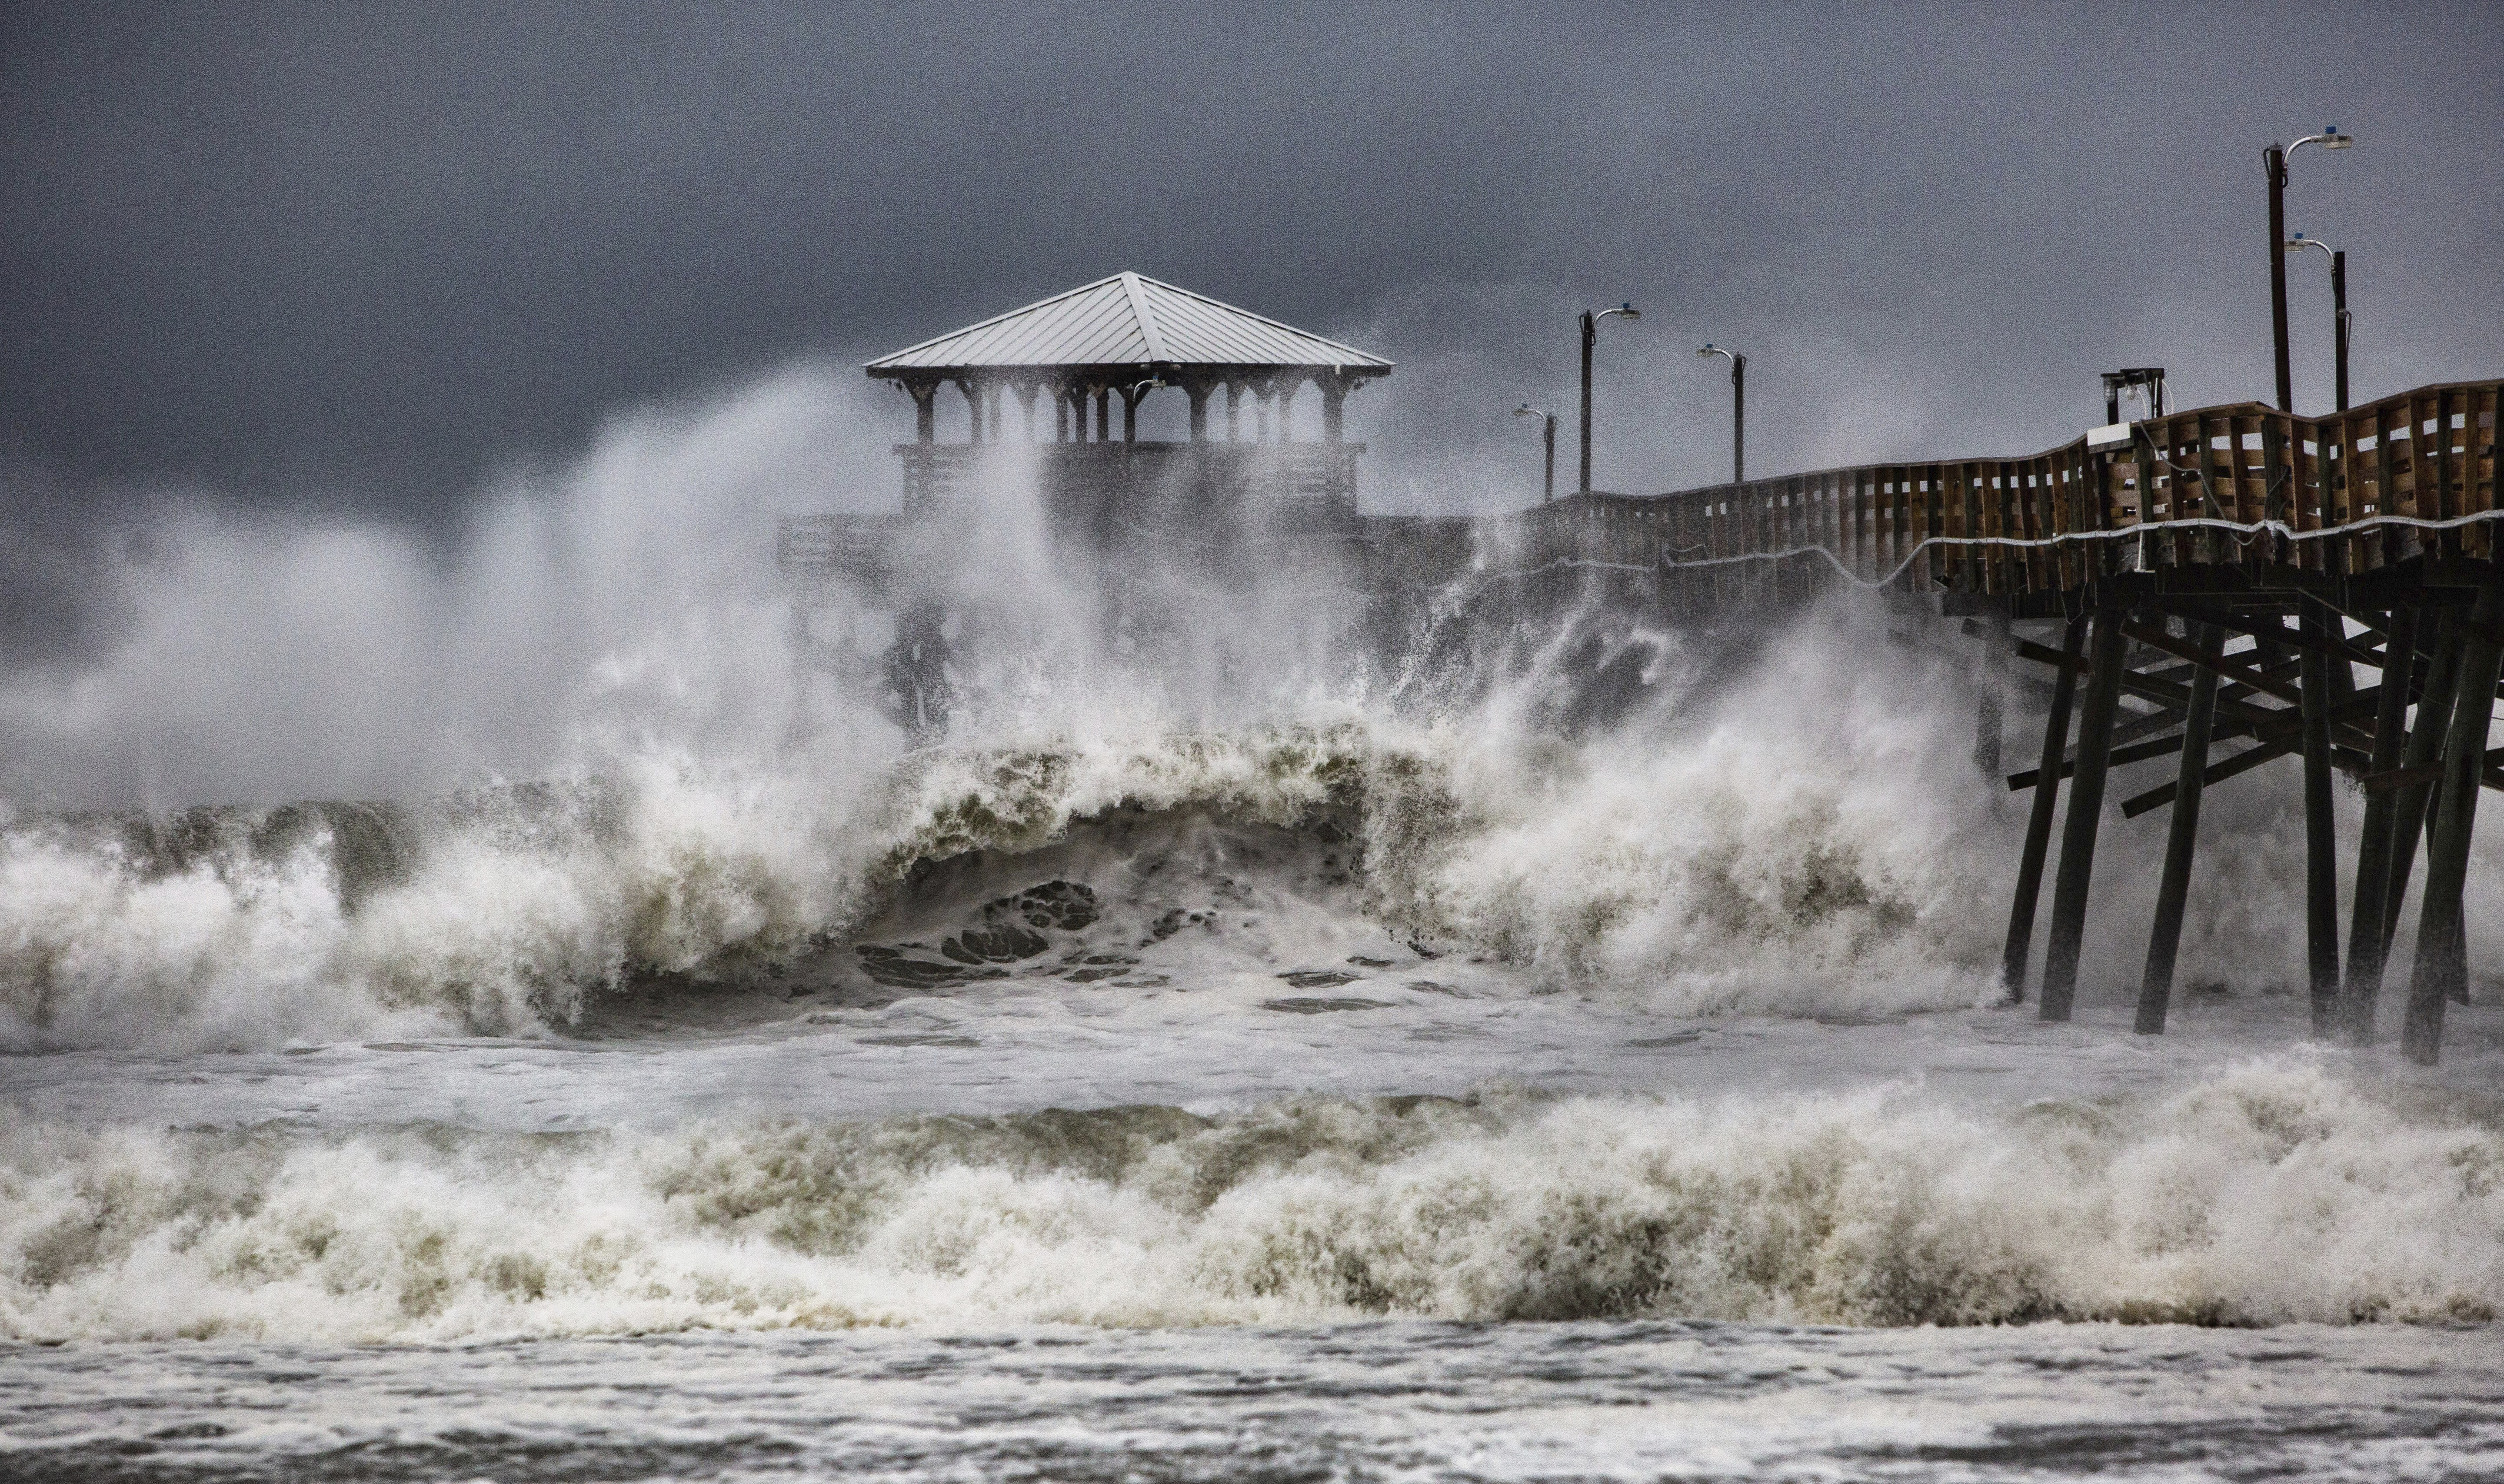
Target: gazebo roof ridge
<point x="1126" y="320"/>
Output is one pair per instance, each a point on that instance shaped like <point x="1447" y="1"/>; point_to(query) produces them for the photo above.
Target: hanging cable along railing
<point x="2412" y="476"/>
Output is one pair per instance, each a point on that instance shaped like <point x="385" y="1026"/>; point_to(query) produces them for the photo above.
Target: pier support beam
<point x="1990" y="696"/>
<point x="2442" y="968"/>
<point x="2320" y="825"/>
<point x="2366" y="937"/>
<point x="2039" y="823"/>
<point x="2086" y="806"/>
<point x="2182" y="838"/>
<point x="2425" y="744"/>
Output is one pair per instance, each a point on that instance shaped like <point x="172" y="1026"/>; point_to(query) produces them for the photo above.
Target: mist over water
<point x="513" y="937"/>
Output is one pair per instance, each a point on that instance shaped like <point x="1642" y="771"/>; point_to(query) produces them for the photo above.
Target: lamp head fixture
<point x="1629" y="311"/>
<point x="2329" y="139"/>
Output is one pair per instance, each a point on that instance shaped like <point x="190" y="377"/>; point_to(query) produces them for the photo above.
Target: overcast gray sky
<point x="360" y="256"/>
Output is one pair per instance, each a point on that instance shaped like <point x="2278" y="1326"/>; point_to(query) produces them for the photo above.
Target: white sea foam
<point x="2273" y="1191"/>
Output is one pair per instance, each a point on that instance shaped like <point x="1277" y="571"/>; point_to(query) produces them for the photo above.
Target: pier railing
<point x="937" y="472"/>
<point x="2238" y="485"/>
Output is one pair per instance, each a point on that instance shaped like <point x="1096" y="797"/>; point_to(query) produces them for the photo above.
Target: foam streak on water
<point x="1691" y="1400"/>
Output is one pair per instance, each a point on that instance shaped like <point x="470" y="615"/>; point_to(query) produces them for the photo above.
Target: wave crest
<point x="2272" y="1192"/>
<point x="1662" y="869"/>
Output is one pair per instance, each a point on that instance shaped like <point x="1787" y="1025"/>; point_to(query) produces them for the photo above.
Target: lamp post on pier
<point x="2339" y="304"/>
<point x="1738" y="410"/>
<point x="1590" y="338"/>
<point x="2273" y="166"/>
<point x="1547" y="428"/>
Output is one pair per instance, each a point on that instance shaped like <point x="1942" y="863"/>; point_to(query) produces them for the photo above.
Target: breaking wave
<point x="1791" y="868"/>
<point x="2273" y="1191"/>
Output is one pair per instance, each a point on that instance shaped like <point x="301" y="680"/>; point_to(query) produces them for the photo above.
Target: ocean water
<point x="1554" y="1048"/>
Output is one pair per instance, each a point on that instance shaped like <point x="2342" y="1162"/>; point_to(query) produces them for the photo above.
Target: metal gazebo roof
<point x="1127" y="321"/>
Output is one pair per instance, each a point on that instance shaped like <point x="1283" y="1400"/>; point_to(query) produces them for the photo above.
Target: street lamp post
<point x="2273" y="166"/>
<point x="1547" y="429"/>
<point x="1738" y="410"/>
<point x="2338" y="306"/>
<point x="1590" y="338"/>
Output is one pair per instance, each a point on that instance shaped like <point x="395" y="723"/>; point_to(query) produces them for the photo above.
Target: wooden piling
<point x="2367" y="939"/>
<point x="2164" y="939"/>
<point x="2039" y="823"/>
<point x="1988" y="703"/>
<point x="2442" y="968"/>
<point x="2321" y="826"/>
<point x="2086" y="805"/>
<point x="2409" y="812"/>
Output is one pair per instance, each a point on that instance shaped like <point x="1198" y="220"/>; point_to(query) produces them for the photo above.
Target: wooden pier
<point x="2225" y="567"/>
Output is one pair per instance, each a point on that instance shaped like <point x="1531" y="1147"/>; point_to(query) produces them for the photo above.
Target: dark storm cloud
<point x="361" y="254"/>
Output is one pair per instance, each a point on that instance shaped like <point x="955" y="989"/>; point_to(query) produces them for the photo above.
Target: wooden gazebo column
<point x="973" y="407"/>
<point x="1198" y="391"/>
<point x="926" y="408"/>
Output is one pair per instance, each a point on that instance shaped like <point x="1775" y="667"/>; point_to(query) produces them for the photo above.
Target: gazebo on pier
<point x="1119" y="339"/>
